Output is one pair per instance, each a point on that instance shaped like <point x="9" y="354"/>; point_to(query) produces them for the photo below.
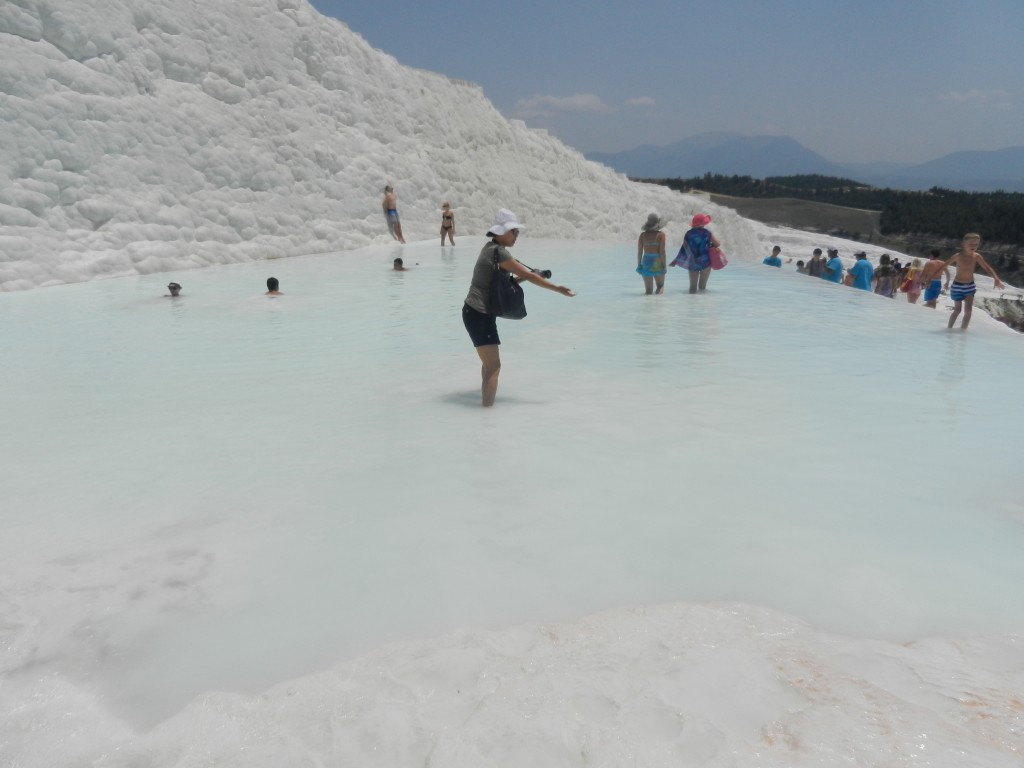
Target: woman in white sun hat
<point x="480" y="321"/>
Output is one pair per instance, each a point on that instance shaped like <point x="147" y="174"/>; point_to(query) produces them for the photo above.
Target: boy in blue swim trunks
<point x="931" y="281"/>
<point x="963" y="288"/>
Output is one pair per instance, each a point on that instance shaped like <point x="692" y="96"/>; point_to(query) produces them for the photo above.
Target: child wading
<point x="963" y="288"/>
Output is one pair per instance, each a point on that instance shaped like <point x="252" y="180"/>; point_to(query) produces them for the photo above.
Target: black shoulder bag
<point x="506" y="298"/>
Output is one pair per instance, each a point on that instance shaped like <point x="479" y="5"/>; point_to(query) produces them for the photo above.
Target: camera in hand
<point x="545" y="273"/>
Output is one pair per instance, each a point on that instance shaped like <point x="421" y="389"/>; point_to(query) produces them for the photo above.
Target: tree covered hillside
<point x="914" y="221"/>
<point x="944" y="213"/>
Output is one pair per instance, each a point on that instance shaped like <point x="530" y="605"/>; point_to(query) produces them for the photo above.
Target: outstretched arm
<point x="522" y="273"/>
<point x="992" y="272"/>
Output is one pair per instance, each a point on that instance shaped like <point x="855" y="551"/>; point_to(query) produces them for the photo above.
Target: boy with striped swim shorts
<point x="963" y="288"/>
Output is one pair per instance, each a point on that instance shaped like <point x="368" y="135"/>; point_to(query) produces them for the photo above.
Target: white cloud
<point x="996" y="97"/>
<point x="538" y="106"/>
<point x="641" y="101"/>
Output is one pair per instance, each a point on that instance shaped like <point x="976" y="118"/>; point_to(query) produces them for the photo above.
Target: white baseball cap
<point x="504" y="220"/>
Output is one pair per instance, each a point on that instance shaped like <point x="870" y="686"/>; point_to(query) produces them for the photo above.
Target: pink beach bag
<point x="718" y="260"/>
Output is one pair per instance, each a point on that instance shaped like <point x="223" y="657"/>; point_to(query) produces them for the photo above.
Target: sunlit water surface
<point x="226" y="490"/>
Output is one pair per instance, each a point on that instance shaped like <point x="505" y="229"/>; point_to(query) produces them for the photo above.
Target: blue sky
<point x="867" y="81"/>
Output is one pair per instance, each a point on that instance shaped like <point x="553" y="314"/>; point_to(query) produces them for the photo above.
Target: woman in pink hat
<point x="695" y="252"/>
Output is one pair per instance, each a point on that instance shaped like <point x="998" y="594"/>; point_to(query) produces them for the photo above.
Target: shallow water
<point x="225" y="490"/>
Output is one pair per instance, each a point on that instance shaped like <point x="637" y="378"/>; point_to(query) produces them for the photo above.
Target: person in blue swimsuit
<point x="774" y="260"/>
<point x="862" y="271"/>
<point x="694" y="253"/>
<point x="650" y="255"/>
<point x="390" y="205"/>
<point x="833" y="271"/>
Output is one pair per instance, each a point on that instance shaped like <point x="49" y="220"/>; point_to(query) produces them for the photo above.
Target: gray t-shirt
<point x="483" y="273"/>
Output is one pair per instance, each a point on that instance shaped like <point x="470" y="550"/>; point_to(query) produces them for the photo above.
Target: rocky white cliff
<point x="138" y="137"/>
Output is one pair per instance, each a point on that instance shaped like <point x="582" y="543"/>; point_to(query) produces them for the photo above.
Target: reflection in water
<point x="953" y="358"/>
<point x="178" y="308"/>
<point x="952" y="372"/>
<point x="700" y="326"/>
<point x="648" y="338"/>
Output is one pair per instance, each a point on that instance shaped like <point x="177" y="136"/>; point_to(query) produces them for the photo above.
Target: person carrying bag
<point x="505" y="297"/>
<point x="495" y="292"/>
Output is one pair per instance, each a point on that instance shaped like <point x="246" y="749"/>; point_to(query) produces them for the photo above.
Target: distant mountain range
<point x="761" y="156"/>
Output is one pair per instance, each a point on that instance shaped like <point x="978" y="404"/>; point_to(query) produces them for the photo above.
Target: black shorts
<point x="482" y="329"/>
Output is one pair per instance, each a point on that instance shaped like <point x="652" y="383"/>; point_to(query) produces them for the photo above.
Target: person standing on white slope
<point x="390" y="206"/>
<point x="931" y="281"/>
<point x="962" y="290"/>
<point x="447" y="223"/>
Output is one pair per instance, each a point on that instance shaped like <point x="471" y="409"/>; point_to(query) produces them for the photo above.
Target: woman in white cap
<point x="650" y="255"/>
<point x="480" y="322"/>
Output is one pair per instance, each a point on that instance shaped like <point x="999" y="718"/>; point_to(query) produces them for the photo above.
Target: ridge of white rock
<point x="140" y="137"/>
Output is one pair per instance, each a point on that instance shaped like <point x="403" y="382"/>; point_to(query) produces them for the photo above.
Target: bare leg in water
<point x="489" y="373"/>
<point x="693" y="280"/>
<point x="968" y="305"/>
